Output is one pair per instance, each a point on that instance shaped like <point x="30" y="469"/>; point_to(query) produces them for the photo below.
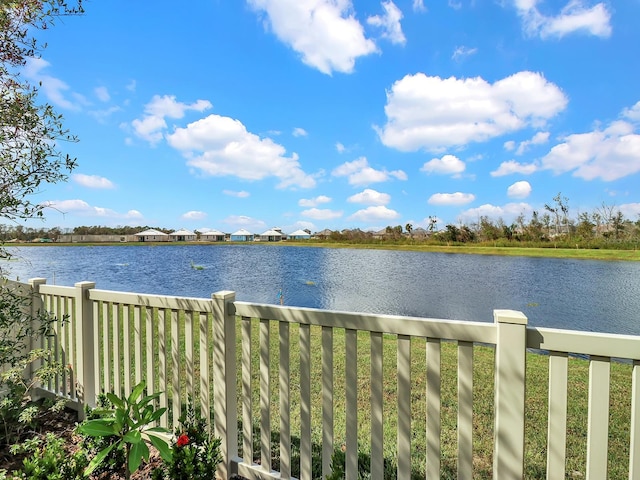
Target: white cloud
<point x="631" y="211"/>
<point x="632" y="113"/>
<point x="507" y="212"/>
<point x="520" y="189"/>
<point x="360" y="173"/>
<point x="538" y="139"/>
<point x="457" y="198"/>
<point x="240" y="194"/>
<point x="243" y="221"/>
<point x="102" y="93"/>
<point x="131" y="86"/>
<point x="83" y="209"/>
<point x="435" y="113"/>
<point x="314" y="202"/>
<point x="374" y="214"/>
<point x="511" y="166"/>
<point x="340" y="147"/>
<point x="455" y="5"/>
<point x="151" y="125"/>
<point x="325" y="32"/>
<point x="607" y="154"/>
<point x="574" y="17"/>
<point x="299" y="132"/>
<point x="418" y="6"/>
<point x="461" y="52"/>
<point x="370" y="197"/>
<point x="390" y="23"/>
<point x="53" y="88"/>
<point x="225" y="147"/>
<point x="193" y="215"/>
<point x="509" y="145"/>
<point x="92" y="181"/>
<point x="321" y="214"/>
<point x="447" y="165"/>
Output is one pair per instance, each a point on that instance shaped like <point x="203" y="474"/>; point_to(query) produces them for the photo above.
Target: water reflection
<point x="574" y="294"/>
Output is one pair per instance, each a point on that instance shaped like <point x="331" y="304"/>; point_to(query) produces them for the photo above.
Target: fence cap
<point x="510" y="316"/>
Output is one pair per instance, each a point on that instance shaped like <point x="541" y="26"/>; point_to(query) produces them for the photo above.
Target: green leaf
<point x="137" y="391"/>
<point x="97" y="460"/>
<point x="136" y="453"/>
<point x="162" y="446"/>
<point x="100" y="427"/>
<point x="118" y="402"/>
<point x="133" y="436"/>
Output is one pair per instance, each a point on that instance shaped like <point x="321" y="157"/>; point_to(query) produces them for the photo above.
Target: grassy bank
<point x="546" y="252"/>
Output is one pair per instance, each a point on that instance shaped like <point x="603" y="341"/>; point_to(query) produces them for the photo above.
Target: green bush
<point x="49" y="460"/>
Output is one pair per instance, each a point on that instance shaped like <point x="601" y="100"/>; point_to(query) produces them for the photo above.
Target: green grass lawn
<point x="483" y="394"/>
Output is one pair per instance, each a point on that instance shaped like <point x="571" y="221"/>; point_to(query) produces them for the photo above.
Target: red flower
<point x="182" y="440"/>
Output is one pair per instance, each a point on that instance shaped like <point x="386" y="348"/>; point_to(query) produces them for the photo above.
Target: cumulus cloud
<point x="507" y="212"/>
<point x="511" y="166"/>
<point x="321" y="213"/>
<point x="520" y="189"/>
<point x="314" y="202"/>
<point x="462" y="52"/>
<point x="509" y="145"/>
<point x="84" y="209"/>
<point x="233" y="193"/>
<point x="631" y="210"/>
<point x="632" y="113"/>
<point x="457" y="198"/>
<point x="433" y="113"/>
<point x="53" y="88"/>
<point x="222" y="146"/>
<point x="574" y="17"/>
<point x="608" y="154"/>
<point x="92" y="181"/>
<point x="539" y="138"/>
<point x="299" y="132"/>
<point x="390" y="23"/>
<point x="340" y="147"/>
<point x="102" y="93"/>
<point x="243" y="221"/>
<point x="324" y="32"/>
<point x="360" y="173"/>
<point x="150" y="127"/>
<point x="418" y="6"/>
<point x="447" y="165"/>
<point x="370" y="197"/>
<point x="374" y="214"/>
<point x="193" y="215"/>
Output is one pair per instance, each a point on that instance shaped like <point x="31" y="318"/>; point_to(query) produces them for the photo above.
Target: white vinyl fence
<point x="251" y="366"/>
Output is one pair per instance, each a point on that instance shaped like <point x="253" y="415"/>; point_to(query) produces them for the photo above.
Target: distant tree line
<point x="605" y="227"/>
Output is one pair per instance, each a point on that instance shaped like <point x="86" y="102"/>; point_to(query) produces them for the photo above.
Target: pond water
<point x="560" y="293"/>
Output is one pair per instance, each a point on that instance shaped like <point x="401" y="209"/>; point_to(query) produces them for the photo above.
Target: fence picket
<point x="434" y="423"/>
<point x="265" y="388"/>
<point x="557" y="421"/>
<point x="351" y="388"/>
<point x="327" y="399"/>
<point x="175" y="370"/>
<point x="285" y="402"/>
<point x="634" y="454"/>
<point x="598" y="429"/>
<point x="465" y="410"/>
<point x="247" y="410"/>
<point x="377" y="432"/>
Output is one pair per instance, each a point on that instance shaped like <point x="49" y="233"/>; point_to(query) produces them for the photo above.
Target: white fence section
<point x="250" y="366"/>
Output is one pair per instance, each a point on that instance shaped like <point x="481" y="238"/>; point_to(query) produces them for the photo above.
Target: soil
<point x="63" y="425"/>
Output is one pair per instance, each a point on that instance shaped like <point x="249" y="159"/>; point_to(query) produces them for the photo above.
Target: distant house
<point x="324" y="234"/>
<point x="212" y="236"/>
<point x="242" y="235"/>
<point x="183" y="235"/>
<point x="272" y="235"/>
<point x="299" y="235"/>
<point x="152" y="235"/>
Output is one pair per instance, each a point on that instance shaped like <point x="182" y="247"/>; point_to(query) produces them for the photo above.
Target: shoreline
<point x="535" y="252"/>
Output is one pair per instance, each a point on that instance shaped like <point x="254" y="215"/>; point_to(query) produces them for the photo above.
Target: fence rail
<point x="274" y="378"/>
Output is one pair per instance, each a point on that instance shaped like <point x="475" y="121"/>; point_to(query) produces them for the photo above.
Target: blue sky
<point x="229" y="114"/>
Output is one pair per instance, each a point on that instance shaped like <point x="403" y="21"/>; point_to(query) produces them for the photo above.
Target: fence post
<point x="224" y="379"/>
<point x="85" y="348"/>
<point x="508" y="452"/>
<point x="36" y="306"/>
